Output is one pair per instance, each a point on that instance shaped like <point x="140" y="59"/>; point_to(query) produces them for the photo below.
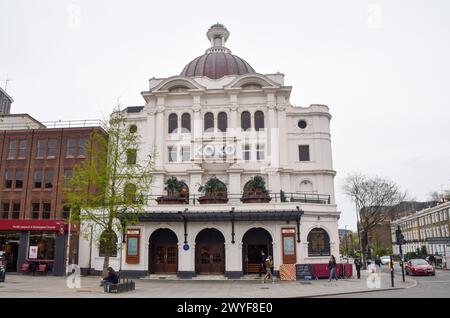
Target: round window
<point x="133" y="129"/>
<point x="302" y="124"/>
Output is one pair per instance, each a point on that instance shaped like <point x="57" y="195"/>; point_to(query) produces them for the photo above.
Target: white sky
<point x="382" y="67"/>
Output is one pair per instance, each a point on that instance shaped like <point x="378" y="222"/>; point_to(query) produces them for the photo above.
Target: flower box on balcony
<point x="213" y="199"/>
<point x="256" y="198"/>
<point x="172" y="200"/>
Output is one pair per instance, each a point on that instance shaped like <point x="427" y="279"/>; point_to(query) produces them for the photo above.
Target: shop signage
<point x="133" y="241"/>
<point x="36" y="225"/>
<point x="303" y="271"/>
<point x="33" y="252"/>
<point x="288" y="248"/>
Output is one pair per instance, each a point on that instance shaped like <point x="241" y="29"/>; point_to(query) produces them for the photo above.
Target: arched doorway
<point x="163" y="252"/>
<point x="210" y="252"/>
<point x="255" y="241"/>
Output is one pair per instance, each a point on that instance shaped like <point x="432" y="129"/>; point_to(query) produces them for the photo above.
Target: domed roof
<point x="217" y="60"/>
<point x="216" y="65"/>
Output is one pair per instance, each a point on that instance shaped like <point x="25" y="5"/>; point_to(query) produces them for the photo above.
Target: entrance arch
<point x="210" y="252"/>
<point x="163" y="252"/>
<point x="254" y="241"/>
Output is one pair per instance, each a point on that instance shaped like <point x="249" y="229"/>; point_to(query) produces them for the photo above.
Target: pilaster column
<point x="151" y="133"/>
<point x="234" y="120"/>
<point x="273" y="150"/>
<point x="233" y="259"/>
<point x="282" y="124"/>
<point x="234" y="180"/>
<point x="198" y="122"/>
<point x="160" y="132"/>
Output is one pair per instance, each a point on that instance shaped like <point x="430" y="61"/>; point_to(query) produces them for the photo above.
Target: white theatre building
<point x="221" y="118"/>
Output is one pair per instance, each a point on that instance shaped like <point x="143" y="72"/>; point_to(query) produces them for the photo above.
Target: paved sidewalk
<point x="52" y="287"/>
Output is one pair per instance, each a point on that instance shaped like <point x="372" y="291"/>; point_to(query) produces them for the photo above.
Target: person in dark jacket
<point x="358" y="266"/>
<point x="112" y="278"/>
<point x="378" y="263"/>
<point x="332" y="268"/>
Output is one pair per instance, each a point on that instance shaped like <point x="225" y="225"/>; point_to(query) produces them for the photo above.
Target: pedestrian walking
<point x="332" y="268"/>
<point x="268" y="265"/>
<point x="358" y="266"/>
<point x="378" y="263"/>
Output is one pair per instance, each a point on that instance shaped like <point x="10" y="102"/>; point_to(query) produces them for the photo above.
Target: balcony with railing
<point x="21" y="122"/>
<point x="239" y="199"/>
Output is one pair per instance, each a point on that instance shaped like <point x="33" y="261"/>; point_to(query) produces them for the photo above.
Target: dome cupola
<point x="217" y="60"/>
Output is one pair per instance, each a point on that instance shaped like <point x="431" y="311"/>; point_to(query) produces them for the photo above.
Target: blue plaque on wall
<point x="186" y="247"/>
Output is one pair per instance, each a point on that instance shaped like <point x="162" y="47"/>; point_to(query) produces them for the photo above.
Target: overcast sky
<point x="383" y="68"/>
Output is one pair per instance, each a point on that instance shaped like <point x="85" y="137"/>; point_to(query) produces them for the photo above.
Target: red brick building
<point x="36" y="160"/>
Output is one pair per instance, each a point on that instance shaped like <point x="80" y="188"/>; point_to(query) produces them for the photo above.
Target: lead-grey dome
<point x="218" y="60"/>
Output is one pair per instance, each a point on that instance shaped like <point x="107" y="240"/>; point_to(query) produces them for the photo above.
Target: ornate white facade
<point x="221" y="118"/>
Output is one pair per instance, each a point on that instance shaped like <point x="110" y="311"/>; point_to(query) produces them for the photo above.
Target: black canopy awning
<point x="283" y="215"/>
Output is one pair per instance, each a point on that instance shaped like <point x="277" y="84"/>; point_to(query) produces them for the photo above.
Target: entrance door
<point x="165" y="259"/>
<point x="255" y="241"/>
<point x="163" y="253"/>
<point x="210" y="252"/>
<point x="12" y="252"/>
<point x="210" y="259"/>
<point x="9" y="244"/>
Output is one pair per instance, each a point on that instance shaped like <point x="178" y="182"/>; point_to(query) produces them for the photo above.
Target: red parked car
<point x="419" y="267"/>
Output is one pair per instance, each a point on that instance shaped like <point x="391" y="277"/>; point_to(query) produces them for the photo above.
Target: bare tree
<point x="440" y="197"/>
<point x="373" y="196"/>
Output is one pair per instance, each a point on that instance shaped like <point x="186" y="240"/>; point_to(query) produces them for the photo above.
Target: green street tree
<point x="108" y="190"/>
<point x="374" y="197"/>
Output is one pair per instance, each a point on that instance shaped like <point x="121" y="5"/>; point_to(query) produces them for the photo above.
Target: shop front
<point x="35" y="242"/>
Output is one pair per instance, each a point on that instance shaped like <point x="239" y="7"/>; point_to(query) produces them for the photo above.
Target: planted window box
<point x="177" y="192"/>
<point x="215" y="192"/>
<point x="255" y="191"/>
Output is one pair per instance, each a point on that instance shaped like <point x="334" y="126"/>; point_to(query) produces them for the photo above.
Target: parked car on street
<point x="419" y="267"/>
<point x="385" y="260"/>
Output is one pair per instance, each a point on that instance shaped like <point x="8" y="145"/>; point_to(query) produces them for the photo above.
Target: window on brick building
<point x="5" y="210"/>
<point x="35" y="210"/>
<point x="19" y="179"/>
<point x="15" y="210"/>
<point x="8" y="179"/>
<point x="46" y="207"/>
<point x="49" y="175"/>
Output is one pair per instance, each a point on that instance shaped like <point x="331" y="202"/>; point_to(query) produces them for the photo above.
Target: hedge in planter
<point x="215" y="192"/>
<point x="177" y="192"/>
<point x="255" y="191"/>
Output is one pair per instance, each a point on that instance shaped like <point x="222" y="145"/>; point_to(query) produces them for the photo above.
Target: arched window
<point x="259" y="120"/>
<point x="173" y="123"/>
<point x="129" y="193"/>
<point x="246" y="122"/>
<point x="222" y="121"/>
<point x="318" y="243"/>
<point x="186" y="123"/>
<point x="209" y="122"/>
<point x="108" y="242"/>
